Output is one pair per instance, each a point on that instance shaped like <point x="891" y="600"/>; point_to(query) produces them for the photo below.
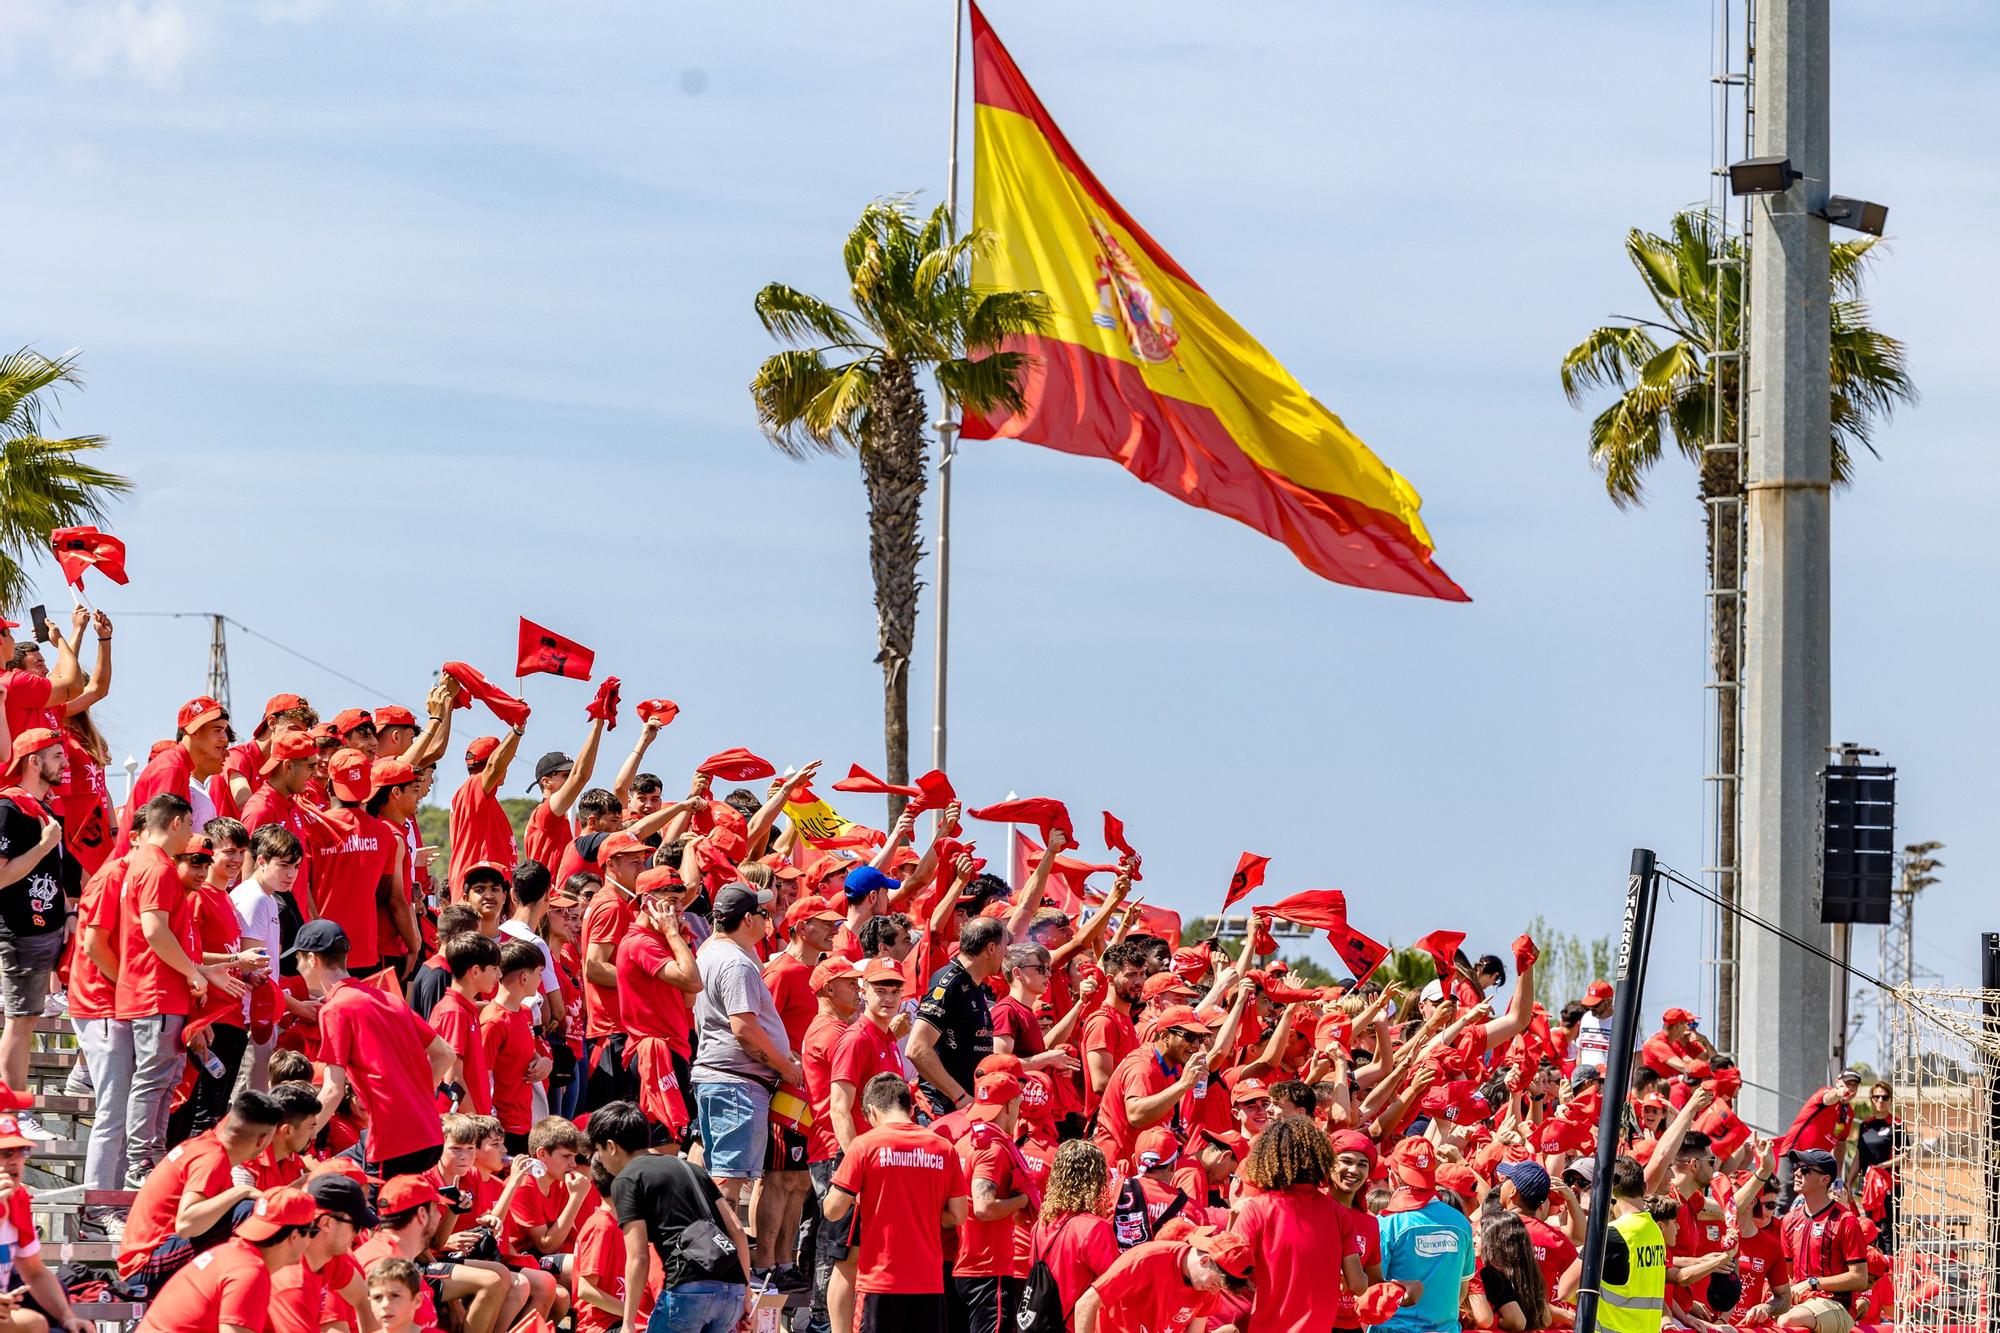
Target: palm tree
<point x="44" y="484"/>
<point x="849" y="383"/>
<point x="1678" y="378"/>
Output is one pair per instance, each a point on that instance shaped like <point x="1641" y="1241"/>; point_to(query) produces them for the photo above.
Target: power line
<point x="282" y="647"/>
<point x="1783" y="934"/>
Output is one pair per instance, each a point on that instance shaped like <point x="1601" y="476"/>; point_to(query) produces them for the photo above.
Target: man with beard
<point x="36" y="879"/>
<point x="1109" y="1034"/>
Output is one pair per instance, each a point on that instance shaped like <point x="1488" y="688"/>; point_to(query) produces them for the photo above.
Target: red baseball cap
<point x="10" y="1133"/>
<point x="481" y="749"/>
<point x="506" y="873"/>
<point x="1160" y="983"/>
<point x="1249" y="1089"/>
<point x="810" y="909"/>
<point x="277" y="1210"/>
<point x="347" y="719"/>
<point x="391" y="773"/>
<point x="990" y="1095"/>
<point x="347" y="773"/>
<point x="197" y="713"/>
<point x="1413" y="1162"/>
<point x="620" y="843"/>
<point x="1596" y="993"/>
<point x="834" y="967"/>
<point x="1178" y="1016"/>
<point x="324" y="735"/>
<point x="278" y="703"/>
<point x="1230" y="1251"/>
<point x="394" y="715"/>
<point x="1001" y="1062"/>
<point x="657" y="879"/>
<point x="881" y="971"/>
<point x="1353" y="1140"/>
<point x="290" y="745"/>
<point x="1155" y="1148"/>
<point x="403" y="1193"/>
<point x="1226" y="1138"/>
<point x="9" y="624"/>
<point x="31" y="742"/>
<point x="1677" y="1015"/>
<point x="1460" y="1179"/>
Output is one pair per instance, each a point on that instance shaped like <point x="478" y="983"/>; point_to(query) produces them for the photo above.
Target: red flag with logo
<point x="1361" y="954"/>
<point x="1313" y="908"/>
<point x="1249" y="877"/>
<point x="1442" y="946"/>
<point x="545" y="651"/>
<point x="78" y="549"/>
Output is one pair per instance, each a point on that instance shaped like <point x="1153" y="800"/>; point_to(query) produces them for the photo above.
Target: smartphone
<point x="38" y="616"/>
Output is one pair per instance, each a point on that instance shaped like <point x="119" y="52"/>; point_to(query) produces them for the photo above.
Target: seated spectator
<point x="485" y="1299"/>
<point x="19" y="1240"/>
<point x="298" y="1293"/>
<point x="542" y="1217"/>
<point x="191" y="1201"/>
<point x="228" y="1288"/>
<point x="398" y="1299"/>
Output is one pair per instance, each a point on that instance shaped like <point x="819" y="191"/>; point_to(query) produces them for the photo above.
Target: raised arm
<point x="564" y="797"/>
<point x="1660" y="1166"/>
<point x="100" y="679"/>
<point x="428" y="745"/>
<point x="495" y="773"/>
<point x="1520" y="1011"/>
<point x="621" y="786"/>
<point x="1093" y="929"/>
<point x="774" y="805"/>
<point x="65" y="679"/>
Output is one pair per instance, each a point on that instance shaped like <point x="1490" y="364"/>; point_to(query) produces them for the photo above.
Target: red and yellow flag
<point x="1142" y="367"/>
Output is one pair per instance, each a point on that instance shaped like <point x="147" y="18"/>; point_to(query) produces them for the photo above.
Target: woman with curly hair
<point x="1074" y="1236"/>
<point x="1295" y="1229"/>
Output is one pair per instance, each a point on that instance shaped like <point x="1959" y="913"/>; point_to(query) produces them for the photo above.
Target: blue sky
<point x="407" y="318"/>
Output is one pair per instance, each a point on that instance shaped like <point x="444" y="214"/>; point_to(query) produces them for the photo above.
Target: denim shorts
<point x="735" y="1120"/>
<point x="27" y="964"/>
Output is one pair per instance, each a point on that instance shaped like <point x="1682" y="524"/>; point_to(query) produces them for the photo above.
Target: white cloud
<point x="147" y="41"/>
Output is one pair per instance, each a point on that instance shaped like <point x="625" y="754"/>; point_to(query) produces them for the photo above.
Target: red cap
<point x="879" y="970"/>
<point x="347" y="719"/>
<point x="1249" y="1089"/>
<point x="481" y="749"/>
<point x="1001" y="1062"/>
<point x="832" y="968"/>
<point x="1677" y="1015"/>
<point x="1156" y="1147"/>
<point x="1230" y="1251"/>
<point x="1038" y="1099"/>
<point x="10" y="1133"/>
<point x="406" y="1192"/>
<point x="1460" y="1179"/>
<point x="197" y="713"/>
<point x="1178" y="1016"/>
<point x="620" y="843"/>
<point x="990" y="1095"/>
<point x="278" y="703"/>
<point x="348" y="774"/>
<point x="506" y="873"/>
<point x="1353" y="1140"/>
<point x="277" y="1210"/>
<point x="810" y="909"/>
<point x="290" y="745"/>
<point x="1160" y="983"/>
<point x="30" y="742"/>
<point x="1227" y="1138"/>
<point x="394" y="715"/>
<point x="324" y="735"/>
<point x="9" y="624"/>
<point x="391" y="773"/>
<point x="1596" y="993"/>
<point x="1413" y="1162"/>
<point x="658" y="879"/>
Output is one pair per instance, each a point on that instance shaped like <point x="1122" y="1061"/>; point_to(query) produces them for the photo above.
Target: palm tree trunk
<point x="1721" y="476"/>
<point x="892" y="468"/>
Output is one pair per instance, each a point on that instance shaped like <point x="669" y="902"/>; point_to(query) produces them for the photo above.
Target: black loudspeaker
<point x="1859" y="864"/>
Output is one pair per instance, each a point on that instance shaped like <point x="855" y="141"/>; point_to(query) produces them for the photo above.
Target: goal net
<point x="1943" y="1220"/>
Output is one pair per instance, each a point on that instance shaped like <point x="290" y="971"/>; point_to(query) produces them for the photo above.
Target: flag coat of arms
<point x="1141" y="366"/>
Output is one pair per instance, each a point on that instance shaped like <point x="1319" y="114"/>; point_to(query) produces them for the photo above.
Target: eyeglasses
<point x="1878" y="1096"/>
<point x="1185" y="1035"/>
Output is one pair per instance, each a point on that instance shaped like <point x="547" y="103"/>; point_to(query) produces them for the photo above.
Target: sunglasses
<point x="1878" y="1096"/>
<point x="1186" y="1035"/>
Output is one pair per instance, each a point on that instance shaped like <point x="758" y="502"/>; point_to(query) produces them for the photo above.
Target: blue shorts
<point x="735" y="1121"/>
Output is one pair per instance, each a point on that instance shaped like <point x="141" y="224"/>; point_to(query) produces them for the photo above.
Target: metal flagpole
<point x="947" y="429"/>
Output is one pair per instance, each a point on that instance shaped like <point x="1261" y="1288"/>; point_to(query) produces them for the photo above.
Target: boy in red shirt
<point x="474" y="961"/>
<point x="396" y="1296"/>
<point x="516" y="1059"/>
<point x="288" y="773"/>
<point x="606" y="921"/>
<point x="597" y="1269"/>
<point x="188" y="1204"/>
<point x="542" y="1216"/>
<point x="230" y="1285"/>
<point x="1165" y="1284"/>
<point x="904" y="1184"/>
<point x="480" y="829"/>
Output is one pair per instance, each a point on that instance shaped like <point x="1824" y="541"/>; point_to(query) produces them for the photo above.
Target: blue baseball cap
<point x="1530" y="1181"/>
<point x="864" y="880"/>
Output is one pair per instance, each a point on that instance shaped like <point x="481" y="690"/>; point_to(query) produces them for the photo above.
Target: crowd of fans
<point x="661" y="1063"/>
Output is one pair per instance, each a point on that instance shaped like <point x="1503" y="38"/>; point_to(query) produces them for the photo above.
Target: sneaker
<point x="31" y="1127"/>
<point x="790" y="1277"/>
<point x="56" y="1006"/>
<point x="109" y="1227"/>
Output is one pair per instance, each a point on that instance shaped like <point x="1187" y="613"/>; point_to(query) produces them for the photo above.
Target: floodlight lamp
<point x="1762" y="175"/>
<point x="1856" y="214"/>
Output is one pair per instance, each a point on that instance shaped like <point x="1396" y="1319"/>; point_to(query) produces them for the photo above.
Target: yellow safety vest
<point x="1637" y="1304"/>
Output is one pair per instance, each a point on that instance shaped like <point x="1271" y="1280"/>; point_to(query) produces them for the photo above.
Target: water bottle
<point x="213" y="1064"/>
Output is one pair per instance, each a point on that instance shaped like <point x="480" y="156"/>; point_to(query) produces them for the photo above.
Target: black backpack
<point x="1041" y="1309"/>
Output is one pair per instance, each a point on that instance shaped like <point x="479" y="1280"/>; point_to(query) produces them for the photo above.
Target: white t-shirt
<point x="257" y="916"/>
<point x="1593" y="1041"/>
<point x="551" y="979"/>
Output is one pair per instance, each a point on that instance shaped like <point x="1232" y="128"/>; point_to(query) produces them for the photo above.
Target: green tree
<point x="434" y="824"/>
<point x="44" y="483"/>
<point x="848" y="383"/>
<point x="1568" y="963"/>
<point x="1678" y="381"/>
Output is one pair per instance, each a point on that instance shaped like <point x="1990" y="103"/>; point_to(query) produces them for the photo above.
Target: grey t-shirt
<point x="732" y="982"/>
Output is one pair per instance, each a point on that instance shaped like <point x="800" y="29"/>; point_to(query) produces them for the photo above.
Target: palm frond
<point x="986" y="384"/>
<point x="839" y="411"/>
<point x="784" y="389"/>
<point x="796" y="317"/>
<point x="1608" y="357"/>
<point x="27" y="384"/>
<point x="1848" y="263"/>
<point x="994" y="315"/>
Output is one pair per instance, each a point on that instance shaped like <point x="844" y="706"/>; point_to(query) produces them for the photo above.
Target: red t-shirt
<point x="219" y="931"/>
<point x="356" y="854"/>
<point x="790" y="984"/>
<point x="1760" y="1264"/>
<point x="456" y="1019"/>
<point x="986" y="1249"/>
<point x="600" y="1256"/>
<point x="1107" y="1029"/>
<point x="546" y="835"/>
<point x="1298" y="1235"/>
<point x="383" y="1045"/>
<point x="91" y="993"/>
<point x="480" y="830"/>
<point x="1819" y="1124"/>
<point x="649" y="1006"/>
<point x="864" y="1051"/>
<point x="1017" y="1022"/>
<point x="298" y="1294"/>
<point x="1554" y="1252"/>
<point x="816" y="1057"/>
<point x="1138" y="1075"/>
<point x="508" y="1037"/>
<point x="1146" y="1291"/>
<point x="901" y="1177"/>
<point x="269" y="1173"/>
<point x="28" y="703"/>
<point x="171" y="770"/>
<point x="1363" y="1234"/>
<point x="201" y="1166"/>
<point x="146" y="985"/>
<point x="271" y="806"/>
<point x="85" y="804"/>
<point x="1077" y="1250"/>
<point x="1659" y="1048"/>
<point x="1822" y="1244"/>
<point x="226" y="1285"/>
<point x="606" y="921"/>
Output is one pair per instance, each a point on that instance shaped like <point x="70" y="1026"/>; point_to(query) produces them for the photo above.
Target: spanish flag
<point x="1142" y="367"/>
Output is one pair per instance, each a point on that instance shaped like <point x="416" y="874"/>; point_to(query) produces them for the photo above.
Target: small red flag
<point x="737" y="765"/>
<point x="78" y="549"/>
<point x="544" y="650"/>
<point x="1442" y="945"/>
<point x="1361" y="954"/>
<point x="1249" y="877"/>
<point x="662" y="711"/>
<point x="1262" y="945"/>
<point x="934" y="790"/>
<point x="1114" y="838"/>
<point x="1043" y="812"/>
<point x="605" y="705"/>
<point x="859" y="779"/>
<point x="472" y="685"/>
<point x="1314" y="908"/>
